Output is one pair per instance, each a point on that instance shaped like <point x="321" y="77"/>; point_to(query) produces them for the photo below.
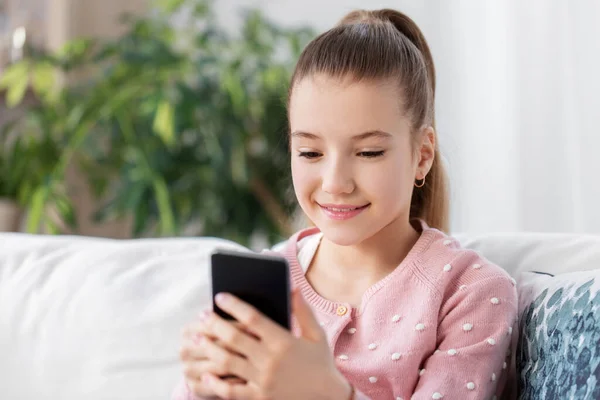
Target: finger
<point x="309" y="326"/>
<point x="193" y="330"/>
<point x="234" y="338"/>
<point x="227" y="363"/>
<point x="200" y="389"/>
<point x="191" y="351"/>
<point x="194" y="370"/>
<point x="229" y="390"/>
<point x="263" y="327"/>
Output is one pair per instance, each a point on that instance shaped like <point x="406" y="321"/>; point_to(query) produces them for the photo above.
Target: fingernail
<point x="197" y="338"/>
<point x="222" y="298"/>
<point x="203" y="314"/>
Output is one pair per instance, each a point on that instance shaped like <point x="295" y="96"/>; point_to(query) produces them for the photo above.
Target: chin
<point x="345" y="234"/>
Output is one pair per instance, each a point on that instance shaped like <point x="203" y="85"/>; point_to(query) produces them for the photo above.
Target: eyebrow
<point x="361" y="136"/>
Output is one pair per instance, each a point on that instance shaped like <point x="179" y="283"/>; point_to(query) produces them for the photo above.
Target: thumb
<point x="309" y="326"/>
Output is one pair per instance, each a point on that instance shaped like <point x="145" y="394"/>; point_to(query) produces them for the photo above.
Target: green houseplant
<point x="184" y="129"/>
<point x="28" y="154"/>
<point x="32" y="147"/>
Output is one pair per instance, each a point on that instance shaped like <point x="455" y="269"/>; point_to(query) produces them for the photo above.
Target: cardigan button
<point x="342" y="310"/>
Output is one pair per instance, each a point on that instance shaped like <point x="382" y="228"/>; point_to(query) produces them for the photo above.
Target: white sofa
<point x="89" y="318"/>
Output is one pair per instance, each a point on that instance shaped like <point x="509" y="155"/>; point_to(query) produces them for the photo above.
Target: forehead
<point x="323" y="104"/>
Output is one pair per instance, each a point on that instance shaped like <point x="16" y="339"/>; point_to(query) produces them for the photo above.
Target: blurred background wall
<point x="517" y="104"/>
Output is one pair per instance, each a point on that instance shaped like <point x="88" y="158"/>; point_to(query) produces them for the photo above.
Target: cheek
<point x="303" y="178"/>
<point x="391" y="183"/>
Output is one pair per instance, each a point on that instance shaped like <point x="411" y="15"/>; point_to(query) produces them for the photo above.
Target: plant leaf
<point x="164" y="124"/>
<point x="165" y="210"/>
<point x="43" y="78"/>
<point x="15" y="93"/>
<point x="14" y="74"/>
<point x="169" y="6"/>
<point x="36" y="209"/>
<point x="66" y="211"/>
<point x="232" y="83"/>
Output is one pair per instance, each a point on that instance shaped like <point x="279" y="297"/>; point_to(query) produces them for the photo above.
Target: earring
<point x="422" y="183"/>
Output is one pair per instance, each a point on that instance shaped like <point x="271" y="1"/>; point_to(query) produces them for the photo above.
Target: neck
<point x="374" y="257"/>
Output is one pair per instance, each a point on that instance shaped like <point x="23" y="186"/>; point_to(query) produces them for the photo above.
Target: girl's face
<point x="353" y="165"/>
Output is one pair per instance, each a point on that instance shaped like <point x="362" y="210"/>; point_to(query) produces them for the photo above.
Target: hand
<point x="273" y="363"/>
<point x="196" y="363"/>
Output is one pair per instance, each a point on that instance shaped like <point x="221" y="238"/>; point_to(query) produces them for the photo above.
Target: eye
<point x="371" y="154"/>
<point x="309" y="154"/>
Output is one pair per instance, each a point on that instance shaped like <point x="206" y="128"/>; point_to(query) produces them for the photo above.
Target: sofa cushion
<point x="89" y="318"/>
<point x="558" y="351"/>
<point x="546" y="252"/>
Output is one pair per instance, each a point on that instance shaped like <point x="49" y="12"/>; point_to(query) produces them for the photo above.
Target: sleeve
<point x="474" y="338"/>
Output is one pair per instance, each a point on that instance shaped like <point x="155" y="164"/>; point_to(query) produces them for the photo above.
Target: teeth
<point x="342" y="209"/>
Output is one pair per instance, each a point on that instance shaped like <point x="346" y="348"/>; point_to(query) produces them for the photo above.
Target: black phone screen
<point x="258" y="279"/>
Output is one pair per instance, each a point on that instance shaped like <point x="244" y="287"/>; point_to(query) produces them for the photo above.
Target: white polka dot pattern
<point x="396" y="356"/>
<point x="452" y="352"/>
<point x="437" y="395"/>
<point x="396" y="318"/>
<point x="421" y="372"/>
<point x="352" y="331"/>
<point x="463" y="287"/>
<point x="494" y="300"/>
<point x="420" y="327"/>
<point x="476" y="266"/>
<point x="373" y="379"/>
<point x="491" y="341"/>
<point x="504" y="365"/>
<point x="467" y="327"/>
<point x="447" y="267"/>
<point x="471" y="386"/>
<point x="372" y="346"/>
<point x="493" y="377"/>
<point x="343" y="357"/>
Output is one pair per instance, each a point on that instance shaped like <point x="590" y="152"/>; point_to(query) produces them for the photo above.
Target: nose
<point x="337" y="178"/>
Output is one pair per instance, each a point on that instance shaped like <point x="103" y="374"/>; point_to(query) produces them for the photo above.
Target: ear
<point x="425" y="151"/>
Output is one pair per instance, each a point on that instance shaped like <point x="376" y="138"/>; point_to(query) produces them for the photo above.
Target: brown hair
<point x="386" y="44"/>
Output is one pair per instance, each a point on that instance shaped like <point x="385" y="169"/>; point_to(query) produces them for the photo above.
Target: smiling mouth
<point x="345" y="209"/>
<point x="342" y="212"/>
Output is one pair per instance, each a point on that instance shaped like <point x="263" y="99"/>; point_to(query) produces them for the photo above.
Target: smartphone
<point x="261" y="280"/>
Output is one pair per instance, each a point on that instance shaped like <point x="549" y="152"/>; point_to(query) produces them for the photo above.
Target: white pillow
<point x="84" y="318"/>
<point x="544" y="252"/>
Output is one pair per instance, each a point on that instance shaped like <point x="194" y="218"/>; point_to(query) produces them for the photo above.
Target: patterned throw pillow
<point x="558" y="351"/>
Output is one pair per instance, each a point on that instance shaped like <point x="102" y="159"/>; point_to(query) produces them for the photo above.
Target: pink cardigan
<point x="439" y="326"/>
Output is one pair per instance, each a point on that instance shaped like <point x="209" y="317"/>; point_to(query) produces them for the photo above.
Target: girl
<point x="386" y="305"/>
